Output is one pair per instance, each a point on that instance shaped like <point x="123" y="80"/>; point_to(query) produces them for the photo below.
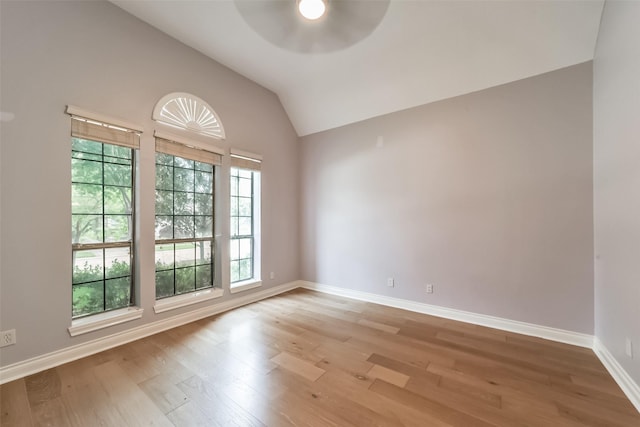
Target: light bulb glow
<point x="312" y="9"/>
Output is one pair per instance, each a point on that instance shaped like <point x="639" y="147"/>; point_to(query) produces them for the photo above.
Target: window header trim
<point x="72" y="110"/>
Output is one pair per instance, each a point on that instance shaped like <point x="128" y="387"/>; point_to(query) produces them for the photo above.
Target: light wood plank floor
<point x="307" y="359"/>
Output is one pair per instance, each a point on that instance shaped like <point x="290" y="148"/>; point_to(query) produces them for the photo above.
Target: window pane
<point x="203" y="253"/>
<point x="164" y="159"/>
<point x="185" y="280"/>
<point x="117" y="151"/>
<point x="183" y="227"/>
<point x="117" y="228"/>
<point x="86" y="198"/>
<point x="246" y="271"/>
<point x="117" y="200"/>
<point x="117" y="262"/>
<point x="117" y="174"/>
<point x="165" y="257"/>
<point x="203" y="277"/>
<point x="234" y="250"/>
<point x="244" y="226"/>
<point x="86" y="171"/>
<point x="204" y="226"/>
<point x="245" y="173"/>
<point x="204" y="182"/>
<point x="183" y="179"/>
<point x="86" y="156"/>
<point x="183" y="163"/>
<point x="86" y="146"/>
<point x="234" y="186"/>
<point x="206" y="167"/>
<point x="235" y="271"/>
<point x="164" y="227"/>
<point x="164" y="283"/>
<point x="185" y="254"/>
<point x="245" y="248"/>
<point x="203" y="204"/>
<point x="234" y="226"/>
<point x="234" y="206"/>
<point x="183" y="203"/>
<point x="244" y="187"/>
<point x="164" y="202"/>
<point x="88" y="298"/>
<point x="88" y="266"/>
<point x="118" y="292"/>
<point x="244" y="206"/>
<point x="86" y="229"/>
<point x="164" y="177"/>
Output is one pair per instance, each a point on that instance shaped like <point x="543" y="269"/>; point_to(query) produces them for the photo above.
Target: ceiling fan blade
<point x="345" y="23"/>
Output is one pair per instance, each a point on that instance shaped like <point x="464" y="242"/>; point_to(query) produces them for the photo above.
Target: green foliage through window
<point x="242" y="238"/>
<point x="101" y="226"/>
<point x="183" y="225"/>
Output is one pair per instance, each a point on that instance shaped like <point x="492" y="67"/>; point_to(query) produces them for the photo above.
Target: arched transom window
<point x="188" y="112"/>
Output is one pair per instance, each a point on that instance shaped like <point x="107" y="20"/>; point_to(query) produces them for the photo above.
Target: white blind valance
<point x="99" y="127"/>
<point x="104" y="132"/>
<point x="177" y="149"/>
<point x="245" y="161"/>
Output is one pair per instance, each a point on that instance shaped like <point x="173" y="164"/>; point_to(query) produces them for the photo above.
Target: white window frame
<point x="249" y="161"/>
<point x="105" y="319"/>
<point x="205" y="294"/>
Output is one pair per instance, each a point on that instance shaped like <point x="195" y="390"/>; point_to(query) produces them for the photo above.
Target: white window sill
<point x="245" y="286"/>
<point x="178" y="301"/>
<point x="104" y="320"/>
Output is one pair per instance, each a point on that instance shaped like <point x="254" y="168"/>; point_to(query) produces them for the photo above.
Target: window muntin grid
<point x="241" y="248"/>
<point x="102" y="222"/>
<point x="183" y="225"/>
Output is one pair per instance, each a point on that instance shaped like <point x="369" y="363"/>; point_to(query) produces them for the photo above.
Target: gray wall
<point x="96" y="56"/>
<point x="616" y="102"/>
<point x="487" y="196"/>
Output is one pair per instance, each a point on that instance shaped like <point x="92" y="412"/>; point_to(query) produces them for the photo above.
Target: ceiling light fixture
<point x="312" y="9"/>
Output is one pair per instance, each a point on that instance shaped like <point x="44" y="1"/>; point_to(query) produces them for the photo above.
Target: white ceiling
<point x="421" y="52"/>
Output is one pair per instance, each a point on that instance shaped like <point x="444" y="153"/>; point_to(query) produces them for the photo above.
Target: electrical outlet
<point x="390" y="282"/>
<point x="429" y="289"/>
<point x="272" y="275"/>
<point x="629" y="348"/>
<point x="7" y="337"/>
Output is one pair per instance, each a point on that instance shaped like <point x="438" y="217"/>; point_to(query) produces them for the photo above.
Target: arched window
<point x="188" y="112"/>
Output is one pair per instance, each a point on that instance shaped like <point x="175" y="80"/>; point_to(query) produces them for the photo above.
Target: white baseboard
<point x="630" y="388"/>
<point x="553" y="334"/>
<point x="53" y="359"/>
<point x="69" y="354"/>
<point x="626" y="383"/>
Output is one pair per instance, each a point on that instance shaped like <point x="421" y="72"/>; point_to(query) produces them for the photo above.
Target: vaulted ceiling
<point x="421" y="51"/>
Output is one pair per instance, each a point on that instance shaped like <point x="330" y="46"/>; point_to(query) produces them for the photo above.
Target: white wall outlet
<point x="429" y="289"/>
<point x="272" y="275"/>
<point x="7" y="337"/>
<point x="390" y="282"/>
<point x="628" y="348"/>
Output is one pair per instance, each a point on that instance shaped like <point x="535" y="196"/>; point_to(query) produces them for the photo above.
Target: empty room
<point x="320" y="213"/>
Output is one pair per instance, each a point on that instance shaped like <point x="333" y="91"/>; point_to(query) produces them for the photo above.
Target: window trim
<point x="72" y="110"/>
<point x="105" y="319"/>
<point x="247" y="161"/>
<point x="107" y="127"/>
<point x="182" y="300"/>
<point x="212" y="156"/>
<point x="244" y="285"/>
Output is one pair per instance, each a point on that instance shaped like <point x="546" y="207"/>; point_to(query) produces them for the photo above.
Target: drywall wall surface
<point x="99" y="58"/>
<point x="616" y="112"/>
<point x="487" y="196"/>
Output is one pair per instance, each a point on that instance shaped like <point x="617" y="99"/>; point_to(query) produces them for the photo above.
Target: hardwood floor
<point x="308" y="359"/>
